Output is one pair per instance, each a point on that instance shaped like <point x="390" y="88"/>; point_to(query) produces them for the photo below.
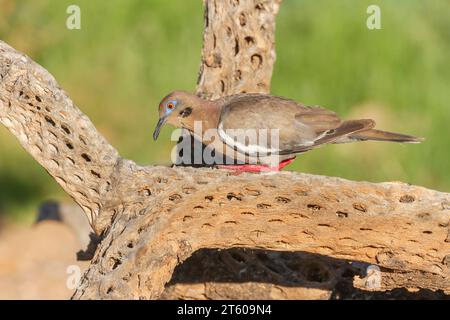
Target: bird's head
<point x="176" y="109"/>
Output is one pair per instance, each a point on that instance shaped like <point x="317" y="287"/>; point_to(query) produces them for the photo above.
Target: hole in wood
<point x="252" y="192"/>
<point x="231" y="196"/>
<point x="314" y="207"/>
<point x="360" y="207"/>
<point x="189" y="190"/>
<point x="242" y="19"/>
<point x="423" y="215"/>
<point x="86" y="157"/>
<point x="50" y="121"/>
<point x="140" y="230"/>
<point x="161" y="180"/>
<point x="175" y="197"/>
<point x="301" y="193"/>
<point x="407" y="198"/>
<point x="342" y="214"/>
<point x="229" y="32"/>
<point x="259" y="6"/>
<point x="66" y="129"/>
<point x="256" y="61"/>
<point x="115" y="263"/>
<point x="282" y="199"/>
<point x="249" y="40"/>
<point x="238" y="75"/>
<point x="96" y="174"/>
<point x="69" y="145"/>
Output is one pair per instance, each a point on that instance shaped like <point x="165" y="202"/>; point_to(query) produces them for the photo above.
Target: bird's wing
<point x="254" y="124"/>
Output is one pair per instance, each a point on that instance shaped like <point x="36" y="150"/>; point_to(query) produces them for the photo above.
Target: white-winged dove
<point x="299" y="128"/>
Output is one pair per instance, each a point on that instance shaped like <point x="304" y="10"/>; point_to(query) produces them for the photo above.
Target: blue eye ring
<point x="170" y="105"/>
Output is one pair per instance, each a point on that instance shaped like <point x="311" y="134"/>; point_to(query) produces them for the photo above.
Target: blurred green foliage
<point x="129" y="54"/>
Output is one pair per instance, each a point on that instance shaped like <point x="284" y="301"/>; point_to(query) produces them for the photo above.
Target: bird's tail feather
<point x="378" y="135"/>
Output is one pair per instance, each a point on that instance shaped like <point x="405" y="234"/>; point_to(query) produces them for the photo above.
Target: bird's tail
<point x="378" y="135"/>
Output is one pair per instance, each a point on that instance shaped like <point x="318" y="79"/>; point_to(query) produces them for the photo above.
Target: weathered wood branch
<point x="394" y="225"/>
<point x="153" y="218"/>
<point x="54" y="131"/>
<point x="238" y="47"/>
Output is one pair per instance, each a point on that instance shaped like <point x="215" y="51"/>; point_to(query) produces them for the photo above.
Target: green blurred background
<point x="131" y="53"/>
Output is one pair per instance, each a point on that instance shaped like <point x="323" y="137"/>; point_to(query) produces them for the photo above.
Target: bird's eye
<point x="170" y="106"/>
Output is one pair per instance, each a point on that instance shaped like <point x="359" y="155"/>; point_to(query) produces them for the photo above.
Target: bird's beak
<point x="159" y="125"/>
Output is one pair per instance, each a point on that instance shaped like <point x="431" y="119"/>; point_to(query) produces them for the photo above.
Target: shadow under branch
<point x="288" y="269"/>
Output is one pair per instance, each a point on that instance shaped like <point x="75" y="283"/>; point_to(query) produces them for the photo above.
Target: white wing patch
<point x="258" y="144"/>
<point x="235" y="138"/>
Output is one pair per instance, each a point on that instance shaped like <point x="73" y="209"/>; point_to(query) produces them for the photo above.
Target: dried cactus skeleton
<point x="153" y="218"/>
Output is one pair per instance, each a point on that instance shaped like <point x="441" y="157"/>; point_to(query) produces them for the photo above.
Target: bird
<point x="228" y="126"/>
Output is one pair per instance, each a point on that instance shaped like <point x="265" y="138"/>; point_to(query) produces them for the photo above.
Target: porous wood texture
<point x="54" y="131"/>
<point x="292" y="235"/>
<point x="238" y="47"/>
<point x="175" y="212"/>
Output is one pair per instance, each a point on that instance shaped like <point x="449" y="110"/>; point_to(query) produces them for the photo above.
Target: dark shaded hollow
<point x="289" y="269"/>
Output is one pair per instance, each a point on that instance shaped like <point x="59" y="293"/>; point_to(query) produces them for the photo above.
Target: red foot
<point x="239" y="168"/>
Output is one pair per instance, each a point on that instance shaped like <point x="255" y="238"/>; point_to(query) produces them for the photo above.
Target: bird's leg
<point x="284" y="163"/>
<point x="239" y="168"/>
